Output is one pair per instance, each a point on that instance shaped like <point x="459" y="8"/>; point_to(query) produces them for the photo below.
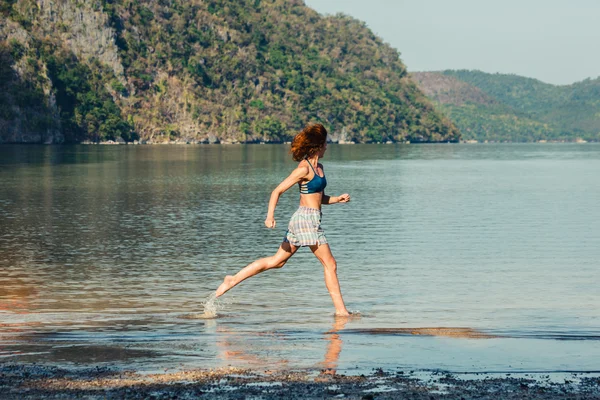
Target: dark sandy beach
<point x="35" y="381"/>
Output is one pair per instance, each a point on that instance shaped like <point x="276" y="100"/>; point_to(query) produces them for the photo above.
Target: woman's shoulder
<point x="303" y="166"/>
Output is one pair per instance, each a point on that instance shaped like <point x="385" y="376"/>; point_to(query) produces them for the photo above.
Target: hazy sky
<point x="555" y="41"/>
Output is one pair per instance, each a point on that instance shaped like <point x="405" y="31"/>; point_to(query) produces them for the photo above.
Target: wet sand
<point x="36" y="381"/>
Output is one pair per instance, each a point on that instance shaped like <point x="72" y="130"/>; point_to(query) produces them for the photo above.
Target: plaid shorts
<point x="305" y="229"/>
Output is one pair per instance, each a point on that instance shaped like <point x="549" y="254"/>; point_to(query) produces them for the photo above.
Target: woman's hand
<point x="270" y="222"/>
<point x="344" y="198"/>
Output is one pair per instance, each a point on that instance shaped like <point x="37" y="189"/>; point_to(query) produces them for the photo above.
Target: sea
<point x="465" y="258"/>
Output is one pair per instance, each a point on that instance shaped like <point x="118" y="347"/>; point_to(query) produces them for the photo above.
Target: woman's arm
<point x="344" y="198"/>
<point x="296" y="176"/>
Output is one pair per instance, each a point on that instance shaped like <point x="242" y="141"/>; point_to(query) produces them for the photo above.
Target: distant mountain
<point x="196" y="70"/>
<point x="500" y="107"/>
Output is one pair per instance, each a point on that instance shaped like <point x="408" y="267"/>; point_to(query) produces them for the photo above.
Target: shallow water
<point x="459" y="257"/>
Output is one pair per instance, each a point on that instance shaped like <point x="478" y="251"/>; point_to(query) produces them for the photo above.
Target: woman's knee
<point x="330" y="265"/>
<point x="277" y="263"/>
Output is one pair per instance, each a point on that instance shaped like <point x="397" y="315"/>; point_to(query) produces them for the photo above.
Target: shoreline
<point x="203" y="143"/>
<point x="32" y="381"/>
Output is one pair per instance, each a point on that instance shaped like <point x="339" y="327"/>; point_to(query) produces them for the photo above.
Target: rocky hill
<point x="214" y="70"/>
<point x="501" y="107"/>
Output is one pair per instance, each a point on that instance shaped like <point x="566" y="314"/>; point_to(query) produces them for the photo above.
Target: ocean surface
<point x="464" y="258"/>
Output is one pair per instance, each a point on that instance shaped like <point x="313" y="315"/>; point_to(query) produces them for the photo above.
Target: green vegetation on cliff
<point x="500" y="107"/>
<point x="249" y="70"/>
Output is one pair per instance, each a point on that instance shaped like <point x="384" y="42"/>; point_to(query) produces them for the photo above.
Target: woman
<point x="304" y="228"/>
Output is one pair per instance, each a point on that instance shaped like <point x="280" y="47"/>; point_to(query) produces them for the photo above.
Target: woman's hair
<point x="308" y="142"/>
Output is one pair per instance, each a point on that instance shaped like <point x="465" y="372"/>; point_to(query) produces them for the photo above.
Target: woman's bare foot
<point x="344" y="313"/>
<point x="225" y="286"/>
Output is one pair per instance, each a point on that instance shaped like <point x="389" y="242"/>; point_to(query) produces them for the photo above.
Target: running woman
<point x="304" y="229"/>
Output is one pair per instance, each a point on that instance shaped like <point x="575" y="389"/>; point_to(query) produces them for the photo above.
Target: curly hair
<point x="308" y="142"/>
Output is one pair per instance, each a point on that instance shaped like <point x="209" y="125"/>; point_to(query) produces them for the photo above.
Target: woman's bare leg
<point x="323" y="253"/>
<point x="286" y="250"/>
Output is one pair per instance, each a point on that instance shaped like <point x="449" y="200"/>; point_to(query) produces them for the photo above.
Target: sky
<point x="555" y="41"/>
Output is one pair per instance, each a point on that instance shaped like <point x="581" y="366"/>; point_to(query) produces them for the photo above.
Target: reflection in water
<point x="334" y="347"/>
<point x="447" y="332"/>
<point x="243" y="348"/>
<point x="15" y="295"/>
<point x="235" y="347"/>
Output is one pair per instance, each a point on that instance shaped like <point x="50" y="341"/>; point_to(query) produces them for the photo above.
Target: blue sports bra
<point x="315" y="185"/>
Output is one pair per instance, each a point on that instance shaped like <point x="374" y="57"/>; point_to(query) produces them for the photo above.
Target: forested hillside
<point x="174" y="70"/>
<point x="502" y="107"/>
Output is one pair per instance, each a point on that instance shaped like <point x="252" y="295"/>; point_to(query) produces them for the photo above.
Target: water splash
<point x="211" y="305"/>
